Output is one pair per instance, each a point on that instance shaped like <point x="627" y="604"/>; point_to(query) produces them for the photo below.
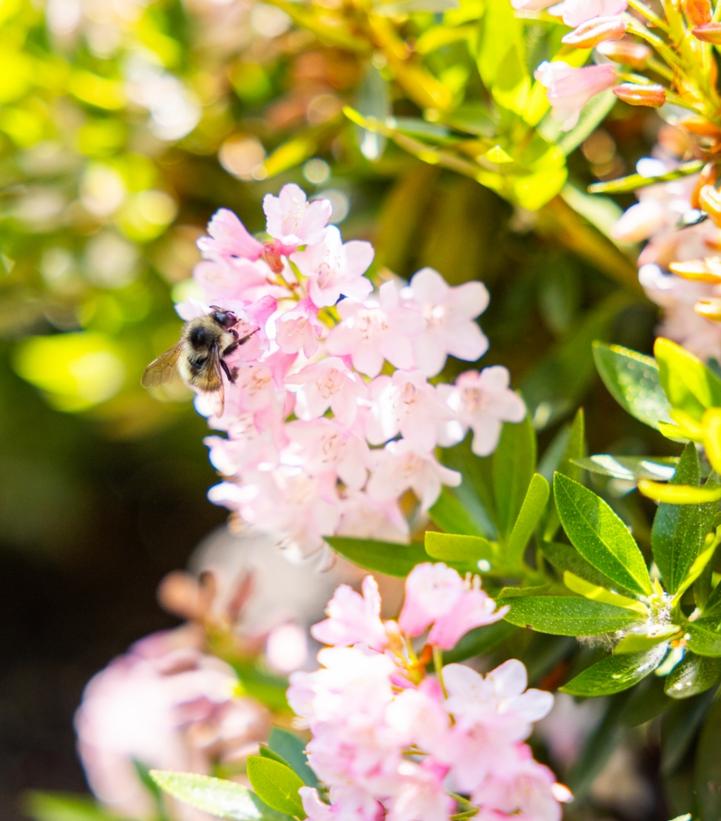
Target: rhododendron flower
<point x="531" y="5"/>
<point x="569" y="89"/>
<point x="448" y="314"/>
<point x="319" y="441"/>
<point x="575" y="12"/>
<point x="353" y="618"/>
<point x="482" y="402"/>
<point x="335" y="268"/>
<point x="389" y="741"/>
<point x="292" y="219"/>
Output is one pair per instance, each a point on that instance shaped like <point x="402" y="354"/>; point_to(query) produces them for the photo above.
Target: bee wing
<point x="163" y="368"/>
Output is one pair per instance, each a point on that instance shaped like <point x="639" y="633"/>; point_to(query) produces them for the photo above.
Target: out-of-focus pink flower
<point x="299" y="329"/>
<point x="335" y="268"/>
<point x="569" y="89"/>
<point x="322" y="446"/>
<point x="292" y="219"/>
<point x="400" y="467"/>
<point x="406" y="403"/>
<point x="168" y="706"/>
<point x="376" y="329"/>
<point x="420" y="795"/>
<point x="353" y="618"/>
<point x="448" y="314"/>
<point x="368" y="518"/>
<point x="482" y="402"/>
<point x="229" y="239"/>
<point x="436" y="595"/>
<point x="575" y="12"/>
<point x="595" y="31"/>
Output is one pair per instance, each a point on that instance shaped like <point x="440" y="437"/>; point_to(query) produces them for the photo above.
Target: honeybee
<point x="199" y="356"/>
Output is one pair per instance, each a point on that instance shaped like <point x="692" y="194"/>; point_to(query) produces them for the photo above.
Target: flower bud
<point x="709" y="199"/>
<point x="595" y="31"/>
<point x="651" y="95"/>
<point x="707" y="176"/>
<point x="626" y="52"/>
<point x="698" y="12"/>
<point x="708" y="32"/>
<point x="699" y="270"/>
<point x="709" y="309"/>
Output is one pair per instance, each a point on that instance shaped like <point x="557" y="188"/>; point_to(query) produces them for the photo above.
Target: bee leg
<point x="244" y="339"/>
<point x="231" y="374"/>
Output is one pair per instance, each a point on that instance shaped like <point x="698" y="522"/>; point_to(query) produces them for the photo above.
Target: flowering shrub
<point x="331" y="407"/>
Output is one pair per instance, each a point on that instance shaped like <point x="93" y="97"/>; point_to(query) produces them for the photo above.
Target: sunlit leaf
<point x="614" y="673"/>
<point x="567" y="615"/>
<point x="630" y="468"/>
<point x="276" y="785"/>
<point x="395" y="559"/>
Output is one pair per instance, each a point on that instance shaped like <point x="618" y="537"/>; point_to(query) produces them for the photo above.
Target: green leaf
<point x="641" y="639"/>
<point x="694" y="675"/>
<point x="479" y="641"/>
<point x="614" y="673"/>
<point x="276" y="784"/>
<point x="513" y="463"/>
<point x="690" y="385"/>
<point x="677" y="536"/>
<point x="223" y="799"/>
<point x="634" y="182"/>
<point x="630" y="468"/>
<point x="46" y="806"/>
<point x="566" y="558"/>
<point x="262" y="685"/>
<point x="633" y="381"/>
<point x="599" y="593"/>
<point x="475" y="551"/>
<point x="501" y="56"/>
<point x="532" y="509"/>
<point x="703" y="639"/>
<point x="678" y="494"/>
<point x="475" y="493"/>
<point x="567" y="615"/>
<point x="292" y="750"/>
<point x="600" y="536"/>
<point x="707" y="767"/>
<point x="574" y="447"/>
<point x="393" y="558"/>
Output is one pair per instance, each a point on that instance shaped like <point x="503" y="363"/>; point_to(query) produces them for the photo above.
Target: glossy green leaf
<point x="513" y="463"/>
<point x="532" y="509"/>
<point x="600" y="536"/>
<point x="566" y="558"/>
<point x="573" y="448"/>
<point x="453" y="516"/>
<point x="475" y="493"/>
<point x="640" y="640"/>
<point x="597" y="592"/>
<point x="292" y="750"/>
<point x="633" y="381"/>
<point x="453" y="547"/>
<point x="703" y="639"/>
<point x="614" y="673"/>
<point x="479" y="641"/>
<point x="677" y="535"/>
<point x="221" y="798"/>
<point x="275" y="784"/>
<point x="393" y="558"/>
<point x="567" y="615"/>
<point x="690" y="385"/>
<point x="678" y="494"/>
<point x="630" y="468"/>
<point x="694" y="675"/>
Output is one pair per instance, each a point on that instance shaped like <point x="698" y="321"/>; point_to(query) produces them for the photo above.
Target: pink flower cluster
<point x="332" y="417"/>
<point x="390" y="741"/>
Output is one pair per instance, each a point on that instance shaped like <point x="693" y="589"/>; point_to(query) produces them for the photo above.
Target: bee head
<point x="226" y="319"/>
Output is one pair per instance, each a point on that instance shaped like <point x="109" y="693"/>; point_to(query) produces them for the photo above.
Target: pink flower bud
<point x="626" y="52"/>
<point x="709" y="33"/>
<point x="595" y="31"/>
<point x="569" y="89"/>
<point x="653" y="96"/>
<point x="575" y="12"/>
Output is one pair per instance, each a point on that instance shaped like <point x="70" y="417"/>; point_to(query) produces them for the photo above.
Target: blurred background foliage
<point x="124" y="124"/>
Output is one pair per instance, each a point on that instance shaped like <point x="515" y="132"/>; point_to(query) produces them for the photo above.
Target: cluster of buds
<point x="392" y="740"/>
<point x="332" y="416"/>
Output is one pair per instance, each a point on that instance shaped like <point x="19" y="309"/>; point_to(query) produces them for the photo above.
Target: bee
<point x="199" y="356"/>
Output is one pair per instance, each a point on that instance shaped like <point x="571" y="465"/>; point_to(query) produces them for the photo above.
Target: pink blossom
<point x="299" y="329"/>
<point x="368" y="518"/>
<point x="229" y="239"/>
<point x="322" y="445"/>
<point x="292" y="219"/>
<point x="335" y="268"/>
<point x="353" y="618"/>
<point x="482" y="402"/>
<point x="406" y="403"/>
<point x="575" y="12"/>
<point x="326" y="384"/>
<point x="314" y="808"/>
<point x="420" y="795"/>
<point x="400" y="467"/>
<point x="448" y="314"/>
<point x="569" y="89"/>
<point x="436" y="595"/>
<point x="376" y="329"/>
<point x="531" y="5"/>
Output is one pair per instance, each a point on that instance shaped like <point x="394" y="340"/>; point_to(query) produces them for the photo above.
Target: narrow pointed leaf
<point x="292" y="749"/>
<point x="614" y="673"/>
<point x="514" y="461"/>
<point x="393" y="558"/>
<point x="567" y="615"/>
<point x="630" y="468"/>
<point x="694" y="675"/>
<point x="600" y="536"/>
<point x="703" y="640"/>
<point x="691" y="386"/>
<point x="532" y="509"/>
